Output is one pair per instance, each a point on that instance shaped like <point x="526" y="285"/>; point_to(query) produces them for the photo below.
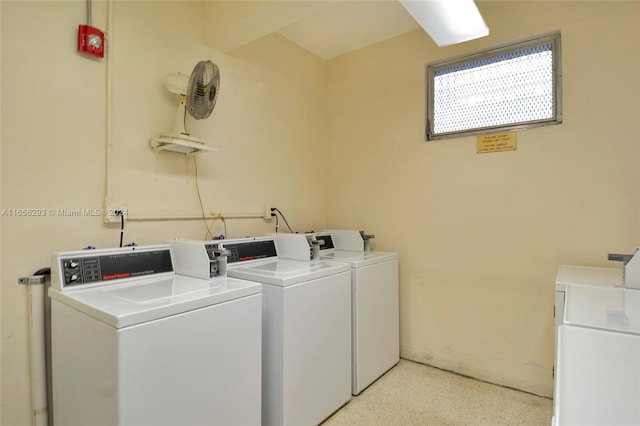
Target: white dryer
<point x="306" y="330"/>
<point x="375" y="327"/>
<point x="580" y="275"/>
<point x="135" y="344"/>
<point x="598" y="357"/>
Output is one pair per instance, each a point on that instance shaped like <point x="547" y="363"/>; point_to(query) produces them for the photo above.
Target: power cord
<point x="121" y="226"/>
<point x="273" y="214"/>
<point x="208" y="235"/>
<point x="121" y="214"/>
<point x="275" y="209"/>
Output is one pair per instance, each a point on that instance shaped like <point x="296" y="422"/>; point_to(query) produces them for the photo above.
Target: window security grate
<point x="513" y="87"/>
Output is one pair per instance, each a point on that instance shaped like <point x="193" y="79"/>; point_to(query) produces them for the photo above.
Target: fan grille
<point x="203" y="89"/>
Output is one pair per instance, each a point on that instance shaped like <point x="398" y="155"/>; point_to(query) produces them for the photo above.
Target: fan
<point x="198" y="95"/>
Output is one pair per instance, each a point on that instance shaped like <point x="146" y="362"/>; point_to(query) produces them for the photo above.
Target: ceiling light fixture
<point x="448" y="21"/>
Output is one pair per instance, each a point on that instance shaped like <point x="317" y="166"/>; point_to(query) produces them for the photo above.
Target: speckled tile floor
<point x="416" y="394"/>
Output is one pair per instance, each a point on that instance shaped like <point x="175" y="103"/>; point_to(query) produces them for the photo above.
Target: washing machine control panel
<point x="250" y="250"/>
<point x="101" y="266"/>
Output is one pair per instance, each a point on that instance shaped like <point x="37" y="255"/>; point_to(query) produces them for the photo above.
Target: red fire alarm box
<point x="90" y="41"/>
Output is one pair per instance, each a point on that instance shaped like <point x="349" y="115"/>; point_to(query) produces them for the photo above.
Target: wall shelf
<point x="166" y="143"/>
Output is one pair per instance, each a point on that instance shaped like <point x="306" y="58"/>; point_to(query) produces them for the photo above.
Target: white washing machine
<point x="375" y="320"/>
<point x="135" y="344"/>
<point x="598" y="357"/>
<point x="306" y="330"/>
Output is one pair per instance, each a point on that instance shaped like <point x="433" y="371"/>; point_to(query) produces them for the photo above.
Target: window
<point x="512" y="87"/>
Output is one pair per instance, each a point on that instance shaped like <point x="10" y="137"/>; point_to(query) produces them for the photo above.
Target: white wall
<point x="480" y="236"/>
<point x="268" y="125"/>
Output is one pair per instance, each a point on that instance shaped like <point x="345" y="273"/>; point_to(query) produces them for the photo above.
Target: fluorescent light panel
<point x="448" y="21"/>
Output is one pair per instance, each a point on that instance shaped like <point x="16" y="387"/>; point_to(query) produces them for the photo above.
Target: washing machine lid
<point x="597" y="377"/>
<point x="606" y="308"/>
<point x="123" y="305"/>
<point x="285" y="272"/>
<point x="569" y="274"/>
<point x="358" y="259"/>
